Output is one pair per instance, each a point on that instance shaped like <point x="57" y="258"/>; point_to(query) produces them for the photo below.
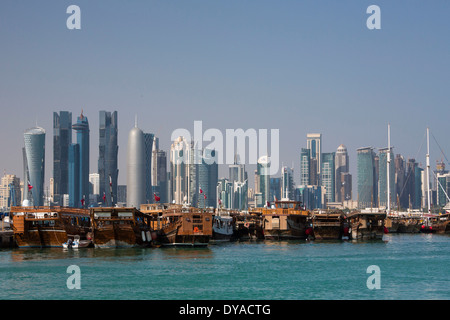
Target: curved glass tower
<point x="34" y="139"/>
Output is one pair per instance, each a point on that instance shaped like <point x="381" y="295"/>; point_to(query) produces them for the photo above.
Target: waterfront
<point x="413" y="266"/>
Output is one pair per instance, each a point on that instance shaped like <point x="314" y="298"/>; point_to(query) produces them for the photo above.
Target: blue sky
<point x="297" y="66"/>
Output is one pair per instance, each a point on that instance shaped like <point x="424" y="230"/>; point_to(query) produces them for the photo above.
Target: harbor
<point x="156" y="225"/>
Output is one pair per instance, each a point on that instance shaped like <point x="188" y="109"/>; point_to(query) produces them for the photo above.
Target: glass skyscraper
<point x="366" y="178"/>
<point x="81" y="128"/>
<point x="382" y="178"/>
<point x="74" y="176"/>
<point x="328" y="175"/>
<point x="107" y="157"/>
<point x="148" y="150"/>
<point x="34" y="139"/>
<point x="62" y="139"/>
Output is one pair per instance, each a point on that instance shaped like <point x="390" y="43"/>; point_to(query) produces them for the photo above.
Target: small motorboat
<point x="76" y="243"/>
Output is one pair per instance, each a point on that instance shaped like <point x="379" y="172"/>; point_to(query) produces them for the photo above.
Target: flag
<point x="201" y="191"/>
<point x="156" y="197"/>
<point x="29" y="186"/>
<point x="204" y="196"/>
<point x="104" y="197"/>
<point x="268" y="204"/>
<point x="220" y="201"/>
<point x="110" y="181"/>
<point x="82" y="202"/>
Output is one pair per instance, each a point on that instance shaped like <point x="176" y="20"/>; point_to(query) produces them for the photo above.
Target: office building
<point x="367" y="178"/>
<point x="328" y="175"/>
<point x="34" y="160"/>
<point x="382" y="178"/>
<point x="108" y="156"/>
<point x="62" y="139"/>
<point x="81" y="128"/>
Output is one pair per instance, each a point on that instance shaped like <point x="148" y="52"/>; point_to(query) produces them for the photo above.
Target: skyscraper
<point x="159" y="172"/>
<point x="287" y="183"/>
<point x="179" y="168"/>
<point x="305" y="164"/>
<point x="328" y="175"/>
<point x="382" y="178"/>
<point x="341" y="167"/>
<point x="314" y="144"/>
<point x="81" y="128"/>
<point x="74" y="176"/>
<point x="263" y="168"/>
<point x="34" y="139"/>
<point x="366" y="178"/>
<point x="136" y="178"/>
<point x="107" y="157"/>
<point x="148" y="147"/>
<point x="62" y="139"/>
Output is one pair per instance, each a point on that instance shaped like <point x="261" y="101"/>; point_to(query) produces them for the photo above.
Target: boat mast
<point x="388" y="168"/>
<point x="428" y="170"/>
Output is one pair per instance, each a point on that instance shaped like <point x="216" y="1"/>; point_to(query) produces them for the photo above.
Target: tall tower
<point x="34" y="139"/>
<point x="148" y="146"/>
<point x="62" y="139"/>
<point x="314" y="144"/>
<point x="180" y="155"/>
<point x="328" y="175"/>
<point x="136" y="177"/>
<point x="341" y="168"/>
<point x="107" y="156"/>
<point x="367" y="193"/>
<point x="81" y="128"/>
<point x="263" y="168"/>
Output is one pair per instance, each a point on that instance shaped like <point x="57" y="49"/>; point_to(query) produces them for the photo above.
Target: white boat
<point x="223" y="226"/>
<point x="76" y="243"/>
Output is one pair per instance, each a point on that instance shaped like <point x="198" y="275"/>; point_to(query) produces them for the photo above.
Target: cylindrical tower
<point x="135" y="168"/>
<point x="34" y="139"/>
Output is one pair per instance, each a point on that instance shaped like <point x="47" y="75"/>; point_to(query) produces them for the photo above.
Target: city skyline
<point x="299" y="67"/>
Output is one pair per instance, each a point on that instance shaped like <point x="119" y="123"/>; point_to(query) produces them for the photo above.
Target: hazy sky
<point x="297" y="66"/>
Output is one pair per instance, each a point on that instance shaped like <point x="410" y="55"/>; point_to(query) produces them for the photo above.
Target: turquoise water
<point x="412" y="266"/>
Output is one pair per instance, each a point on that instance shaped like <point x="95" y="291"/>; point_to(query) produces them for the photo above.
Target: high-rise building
<point x="62" y="139"/>
<point x="328" y="175"/>
<point x="382" y="178"/>
<point x="107" y="157"/>
<point x="74" y="176"/>
<point x="305" y="164"/>
<point x="225" y="194"/>
<point x="94" y="180"/>
<point x="314" y="144"/>
<point x="443" y="188"/>
<point x="136" y="178"/>
<point x="287" y="183"/>
<point x="10" y="194"/>
<point x="342" y="167"/>
<point x="263" y="169"/>
<point x="179" y="170"/>
<point x="159" y="172"/>
<point x="34" y="154"/>
<point x="81" y="128"/>
<point x="148" y="147"/>
<point x="367" y="183"/>
<point x="400" y="181"/>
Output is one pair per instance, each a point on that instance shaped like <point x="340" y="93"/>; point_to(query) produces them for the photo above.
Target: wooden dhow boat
<point x="43" y="227"/>
<point x="329" y="225"/>
<point x="120" y="227"/>
<point x="183" y="225"/>
<point x="367" y="224"/>
<point x="286" y="221"/>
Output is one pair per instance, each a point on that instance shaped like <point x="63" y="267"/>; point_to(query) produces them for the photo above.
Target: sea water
<point x="410" y="266"/>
